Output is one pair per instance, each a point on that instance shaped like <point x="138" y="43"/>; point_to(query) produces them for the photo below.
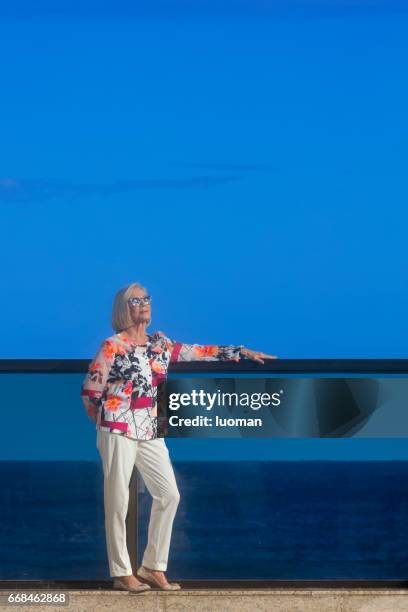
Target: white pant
<point x="151" y="457"/>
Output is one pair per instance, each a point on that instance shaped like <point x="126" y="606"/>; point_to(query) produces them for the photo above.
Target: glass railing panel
<point x="292" y="508"/>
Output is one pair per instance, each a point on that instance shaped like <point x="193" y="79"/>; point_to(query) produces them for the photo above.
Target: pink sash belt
<point x="141" y="402"/>
<point x="114" y="425"/>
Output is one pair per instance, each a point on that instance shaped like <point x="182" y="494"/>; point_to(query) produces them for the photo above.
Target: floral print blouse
<point x="120" y="387"/>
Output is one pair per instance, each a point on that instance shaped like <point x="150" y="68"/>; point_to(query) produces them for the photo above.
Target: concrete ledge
<point x="213" y="600"/>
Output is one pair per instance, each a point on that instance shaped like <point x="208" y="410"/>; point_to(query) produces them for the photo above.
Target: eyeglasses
<point x="136" y="301"/>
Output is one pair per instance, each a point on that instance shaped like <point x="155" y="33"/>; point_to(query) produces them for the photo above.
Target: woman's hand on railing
<point x="256" y="355"/>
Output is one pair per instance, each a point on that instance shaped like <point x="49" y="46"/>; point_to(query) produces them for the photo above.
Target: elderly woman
<point x="119" y="393"/>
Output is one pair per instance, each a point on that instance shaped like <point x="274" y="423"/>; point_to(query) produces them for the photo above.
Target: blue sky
<point x="244" y="161"/>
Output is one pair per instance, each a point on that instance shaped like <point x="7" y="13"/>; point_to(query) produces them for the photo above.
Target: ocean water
<point x="236" y="520"/>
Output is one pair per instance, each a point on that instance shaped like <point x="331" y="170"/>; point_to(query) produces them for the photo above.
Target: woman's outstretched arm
<point x="180" y="351"/>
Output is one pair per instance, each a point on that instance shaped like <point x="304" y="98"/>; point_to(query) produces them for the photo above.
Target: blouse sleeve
<point x="181" y="351"/>
<point x="95" y="379"/>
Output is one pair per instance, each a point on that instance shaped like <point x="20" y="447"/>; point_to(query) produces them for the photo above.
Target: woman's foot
<point x="130" y="584"/>
<point x="158" y="577"/>
<point x="129" y="581"/>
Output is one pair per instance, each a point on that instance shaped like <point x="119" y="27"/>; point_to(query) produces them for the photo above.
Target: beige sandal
<point x="121" y="586"/>
<point x="150" y="578"/>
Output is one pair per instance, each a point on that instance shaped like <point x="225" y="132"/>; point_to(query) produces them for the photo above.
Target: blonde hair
<point x="121" y="317"/>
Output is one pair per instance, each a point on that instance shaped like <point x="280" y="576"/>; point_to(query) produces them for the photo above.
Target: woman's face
<point x="140" y="313"/>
